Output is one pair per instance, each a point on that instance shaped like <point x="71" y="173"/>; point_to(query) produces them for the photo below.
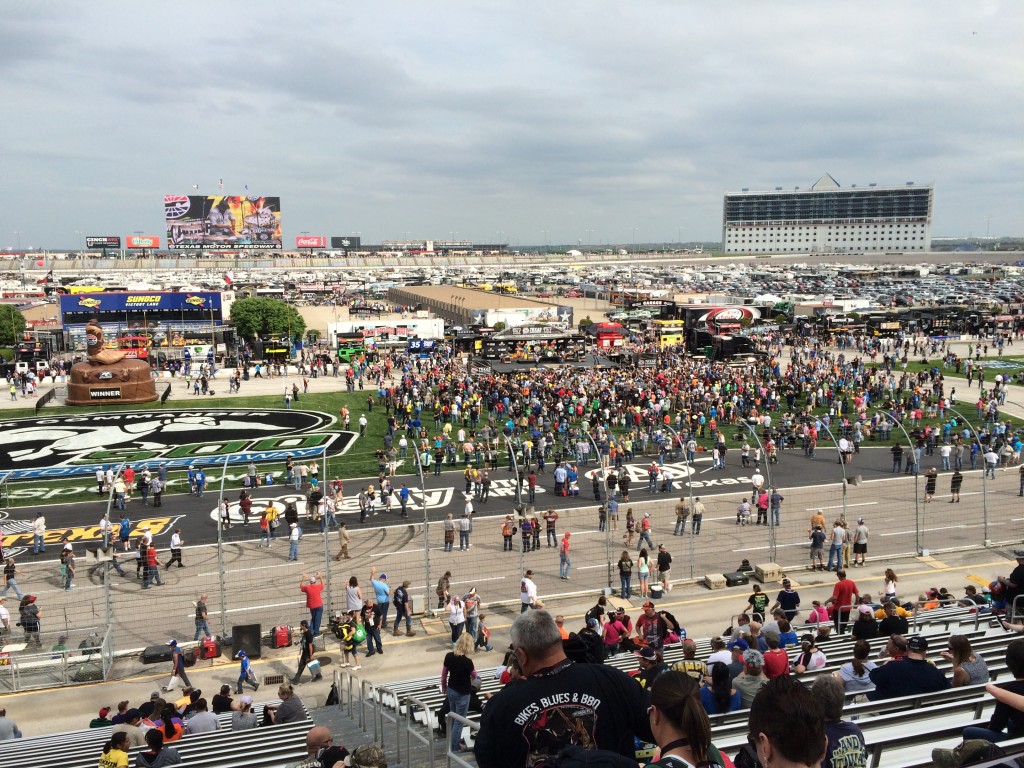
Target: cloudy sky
<point x="570" y="121"/>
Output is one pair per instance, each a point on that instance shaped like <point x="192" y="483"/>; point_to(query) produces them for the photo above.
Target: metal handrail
<point x="466" y="725"/>
<point x="412" y="732"/>
<point x="380" y="716"/>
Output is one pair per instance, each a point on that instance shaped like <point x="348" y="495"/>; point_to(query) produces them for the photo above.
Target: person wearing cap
<point x="690" y="664"/>
<point x="293" y="541"/>
<point x="29" y="613"/>
<point x="554" y="689"/>
<point x="698" y="516"/>
<point x="245" y="673"/>
<point x="651" y="627"/>
<point x="403" y="609"/>
<point x="471" y="607"/>
<point x="312" y="587"/>
<point x="860" y="542"/>
<point x="178" y="674"/>
<point x="787" y="601"/>
<point x="750" y="680"/>
<point x="907" y="676"/>
<point x="645" y="532"/>
<point x="243" y="718"/>
<point x="865" y="627"/>
<point x="651" y="666"/>
<point x="367" y="756"/>
<point x="103" y="721"/>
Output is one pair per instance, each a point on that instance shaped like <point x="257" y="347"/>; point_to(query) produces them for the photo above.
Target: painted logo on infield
<point x="64" y="446"/>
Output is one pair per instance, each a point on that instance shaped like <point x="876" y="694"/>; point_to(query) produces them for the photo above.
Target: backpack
<point x="969" y="751"/>
<point x="575" y="756"/>
<point x="399" y="597"/>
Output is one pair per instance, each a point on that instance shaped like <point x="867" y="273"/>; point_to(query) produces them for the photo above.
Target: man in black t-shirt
<point x="222" y="702"/>
<point x="558" y="703"/>
<point x="1014" y="583"/>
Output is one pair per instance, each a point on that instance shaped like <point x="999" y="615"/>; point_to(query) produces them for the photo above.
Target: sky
<point x="579" y="121"/>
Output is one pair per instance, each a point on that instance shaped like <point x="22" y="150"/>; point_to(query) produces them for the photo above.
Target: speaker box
<point x="246" y="637"/>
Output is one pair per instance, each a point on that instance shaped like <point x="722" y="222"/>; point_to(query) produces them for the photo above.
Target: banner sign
<point x="143" y="241"/>
<point x="222" y="223"/>
<point x="310" y="241"/>
<point x="129" y="302"/>
<point x="345" y="242"/>
<point x="103" y="241"/>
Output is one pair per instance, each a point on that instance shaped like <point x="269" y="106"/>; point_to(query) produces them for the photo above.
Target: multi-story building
<point x="829" y="219"/>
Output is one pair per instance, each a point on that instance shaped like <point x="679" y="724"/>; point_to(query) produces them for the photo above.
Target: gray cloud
<point x="595" y="121"/>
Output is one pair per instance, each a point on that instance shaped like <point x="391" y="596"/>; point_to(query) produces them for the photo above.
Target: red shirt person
<point x="844" y="596"/>
<point x="313" y="588"/>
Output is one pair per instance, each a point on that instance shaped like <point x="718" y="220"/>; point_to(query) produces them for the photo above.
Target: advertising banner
<point x="345" y="242"/>
<point x="311" y="241"/>
<point x="103" y="241"/>
<point x="142" y="241"/>
<point x="222" y="223"/>
<point x="99" y="303"/>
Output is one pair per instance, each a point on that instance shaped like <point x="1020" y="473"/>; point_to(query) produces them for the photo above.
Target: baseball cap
<point x="786" y="583"/>
<point x="172" y="643"/>
<point x="647" y="653"/>
<point x="648" y="604"/>
<point x="918" y="644"/>
<point x="367" y="756"/>
<point x="738" y="645"/>
<point x="131" y="714"/>
<point x="865" y="609"/>
<point x="593" y="623"/>
<point x="240" y="655"/>
<point x="154" y="695"/>
<point x="1019" y="553"/>
<point x="104" y="711"/>
<point x="753" y="658"/>
<point x="247" y="699"/>
<point x="383" y="577"/>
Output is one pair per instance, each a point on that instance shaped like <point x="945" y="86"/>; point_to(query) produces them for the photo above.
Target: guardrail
<point x="467" y="725"/>
<point x="46" y="397"/>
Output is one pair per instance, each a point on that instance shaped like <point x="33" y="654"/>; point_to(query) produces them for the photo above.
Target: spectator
<point x="222" y="702"/>
<point x="788" y="600"/>
<point x="244" y="718"/>
<point x="132" y="721"/>
<point x="613" y="635"/>
<point x="680" y="727"/>
<point x="968" y="667"/>
<point x="892" y="622"/>
<point x="169" y="723"/>
<point x="844" y="596"/>
<point x="102" y="721"/>
<point x="718" y="652"/>
<point x="8" y="728"/>
<point x="907" y="676"/>
<point x="368" y="756"/>
<point x="290" y="710"/>
<point x="717" y="694"/>
<point x="752" y="678"/>
<point x="777" y="706"/>
<point x="457" y="684"/>
<point x="203" y="721"/>
<point x="651" y="626"/>
<point x="122" y="710"/>
<point x="776" y="660"/>
<point x="115" y="751"/>
<point x="865" y="627"/>
<point x="1007" y="720"/>
<point x="320" y="748"/>
<point x="787" y="636"/>
<point x="855" y="674"/>
<point x="513" y="725"/>
<point x="846" y="747"/>
<point x="158" y="755"/>
<point x="690" y="664"/>
<point x="651" y="666"/>
<point x="809" y="657"/>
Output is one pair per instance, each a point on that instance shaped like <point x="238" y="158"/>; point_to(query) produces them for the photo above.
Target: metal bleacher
<point x="265" y="747"/>
<point x="900" y="733"/>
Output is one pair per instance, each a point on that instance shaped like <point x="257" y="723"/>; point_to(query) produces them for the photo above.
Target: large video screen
<point x="221" y="223"/>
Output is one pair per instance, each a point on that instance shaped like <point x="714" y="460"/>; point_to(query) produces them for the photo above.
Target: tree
<point x="12" y="324"/>
<point x="261" y="318"/>
<point x="501" y="325"/>
<point x="585" y="322"/>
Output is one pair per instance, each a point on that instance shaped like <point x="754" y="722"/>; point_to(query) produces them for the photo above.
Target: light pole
<point x="81" y="243"/>
<point x="519" y="508"/>
<point x="984" y="474"/>
<point x="772" y="548"/>
<point x="917" y="496"/>
<point x="841" y="464"/>
<point x="634" y="230"/>
<point x="108" y="610"/>
<point x="426" y="530"/>
<point x="607" y="517"/>
<point x="689" y="486"/>
<point x="220" y="551"/>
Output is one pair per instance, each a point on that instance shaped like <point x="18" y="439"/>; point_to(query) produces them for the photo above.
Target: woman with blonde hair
<point x="457" y="684"/>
